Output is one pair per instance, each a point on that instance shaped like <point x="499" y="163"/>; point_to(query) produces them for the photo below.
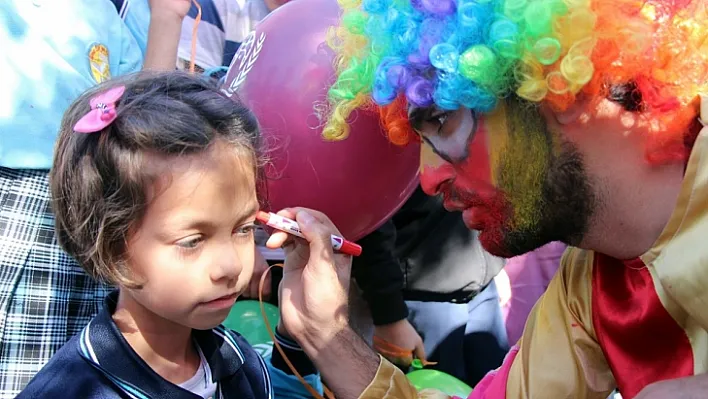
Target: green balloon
<point x="246" y="318"/>
<point x="443" y="382"/>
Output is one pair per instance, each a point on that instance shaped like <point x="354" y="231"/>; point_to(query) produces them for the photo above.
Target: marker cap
<point x="349" y="247"/>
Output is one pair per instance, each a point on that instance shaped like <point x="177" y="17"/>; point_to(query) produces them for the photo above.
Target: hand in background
<point x="166" y="18"/>
<point x="402" y="343"/>
<point x="175" y="8"/>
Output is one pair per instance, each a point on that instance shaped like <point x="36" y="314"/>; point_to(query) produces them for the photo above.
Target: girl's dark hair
<point x="99" y="180"/>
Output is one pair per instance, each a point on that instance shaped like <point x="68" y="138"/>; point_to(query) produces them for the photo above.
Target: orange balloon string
<point x="193" y="54"/>
<point x="307" y="386"/>
<point x="390" y="350"/>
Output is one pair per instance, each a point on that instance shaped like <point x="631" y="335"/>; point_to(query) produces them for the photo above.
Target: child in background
<point x="429" y="285"/>
<point x="154" y="188"/>
<point x="52" y="51"/>
<point x="225" y="24"/>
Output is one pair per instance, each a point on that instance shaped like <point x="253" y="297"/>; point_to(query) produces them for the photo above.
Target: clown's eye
<point x="450" y="134"/>
<point x="438" y="119"/>
<point x="429" y="121"/>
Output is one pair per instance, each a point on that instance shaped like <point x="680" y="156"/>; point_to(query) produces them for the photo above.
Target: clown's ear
<point x="580" y="106"/>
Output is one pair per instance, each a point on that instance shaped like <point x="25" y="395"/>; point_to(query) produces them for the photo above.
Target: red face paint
<point x="496" y="169"/>
<point x="466" y="183"/>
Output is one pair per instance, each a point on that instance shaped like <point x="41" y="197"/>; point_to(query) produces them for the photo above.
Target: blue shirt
<point x="51" y="52"/>
<point x="136" y="15"/>
<point x="99" y="363"/>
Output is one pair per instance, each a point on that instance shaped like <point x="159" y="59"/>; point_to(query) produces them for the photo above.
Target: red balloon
<point x="280" y="72"/>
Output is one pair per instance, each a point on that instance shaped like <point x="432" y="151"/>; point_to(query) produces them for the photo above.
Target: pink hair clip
<point x="102" y="113"/>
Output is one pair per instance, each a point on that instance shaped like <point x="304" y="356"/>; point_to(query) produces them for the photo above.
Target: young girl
<point x="154" y="187"/>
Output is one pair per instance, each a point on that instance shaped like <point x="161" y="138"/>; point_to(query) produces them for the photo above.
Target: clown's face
<point x="517" y="183"/>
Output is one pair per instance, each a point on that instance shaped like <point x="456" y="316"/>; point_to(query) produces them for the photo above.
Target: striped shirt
<point x="224" y="25"/>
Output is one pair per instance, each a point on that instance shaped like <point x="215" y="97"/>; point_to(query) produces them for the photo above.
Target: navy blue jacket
<point x="99" y="363"/>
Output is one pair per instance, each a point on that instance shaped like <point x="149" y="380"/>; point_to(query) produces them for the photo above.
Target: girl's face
<point x="194" y="249"/>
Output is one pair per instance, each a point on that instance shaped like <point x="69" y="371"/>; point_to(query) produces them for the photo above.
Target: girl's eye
<point x="190" y="243"/>
<point x="246" y="230"/>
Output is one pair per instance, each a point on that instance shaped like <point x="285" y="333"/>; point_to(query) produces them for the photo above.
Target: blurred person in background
<point x="431" y="291"/>
<point x="224" y="25"/>
<point x="52" y="51"/>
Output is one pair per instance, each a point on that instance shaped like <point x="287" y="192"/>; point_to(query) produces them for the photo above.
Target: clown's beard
<point x="544" y="185"/>
<point x="564" y="209"/>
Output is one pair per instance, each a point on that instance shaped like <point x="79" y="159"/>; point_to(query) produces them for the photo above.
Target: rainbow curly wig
<point x="473" y="53"/>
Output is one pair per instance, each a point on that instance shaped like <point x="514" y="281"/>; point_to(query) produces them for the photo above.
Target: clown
<point x="568" y="120"/>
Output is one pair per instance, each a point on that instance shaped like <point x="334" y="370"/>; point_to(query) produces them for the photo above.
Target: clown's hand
<point x="313" y="298"/>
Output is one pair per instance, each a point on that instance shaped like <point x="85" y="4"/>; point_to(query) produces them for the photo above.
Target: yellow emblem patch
<point x="99" y="63"/>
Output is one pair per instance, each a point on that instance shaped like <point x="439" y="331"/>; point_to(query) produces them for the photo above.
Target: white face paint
<point x="449" y="133"/>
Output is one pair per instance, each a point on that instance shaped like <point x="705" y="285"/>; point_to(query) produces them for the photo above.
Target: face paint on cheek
<point x="434" y="171"/>
<point x="460" y="155"/>
<point x="498" y="139"/>
<point x="477" y="179"/>
<point x="520" y="157"/>
<point x="475" y="169"/>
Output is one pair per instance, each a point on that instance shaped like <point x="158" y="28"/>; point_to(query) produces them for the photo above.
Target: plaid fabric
<point x="45" y="296"/>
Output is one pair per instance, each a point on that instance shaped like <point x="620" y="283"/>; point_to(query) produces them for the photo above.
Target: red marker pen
<point x="290" y="226"/>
